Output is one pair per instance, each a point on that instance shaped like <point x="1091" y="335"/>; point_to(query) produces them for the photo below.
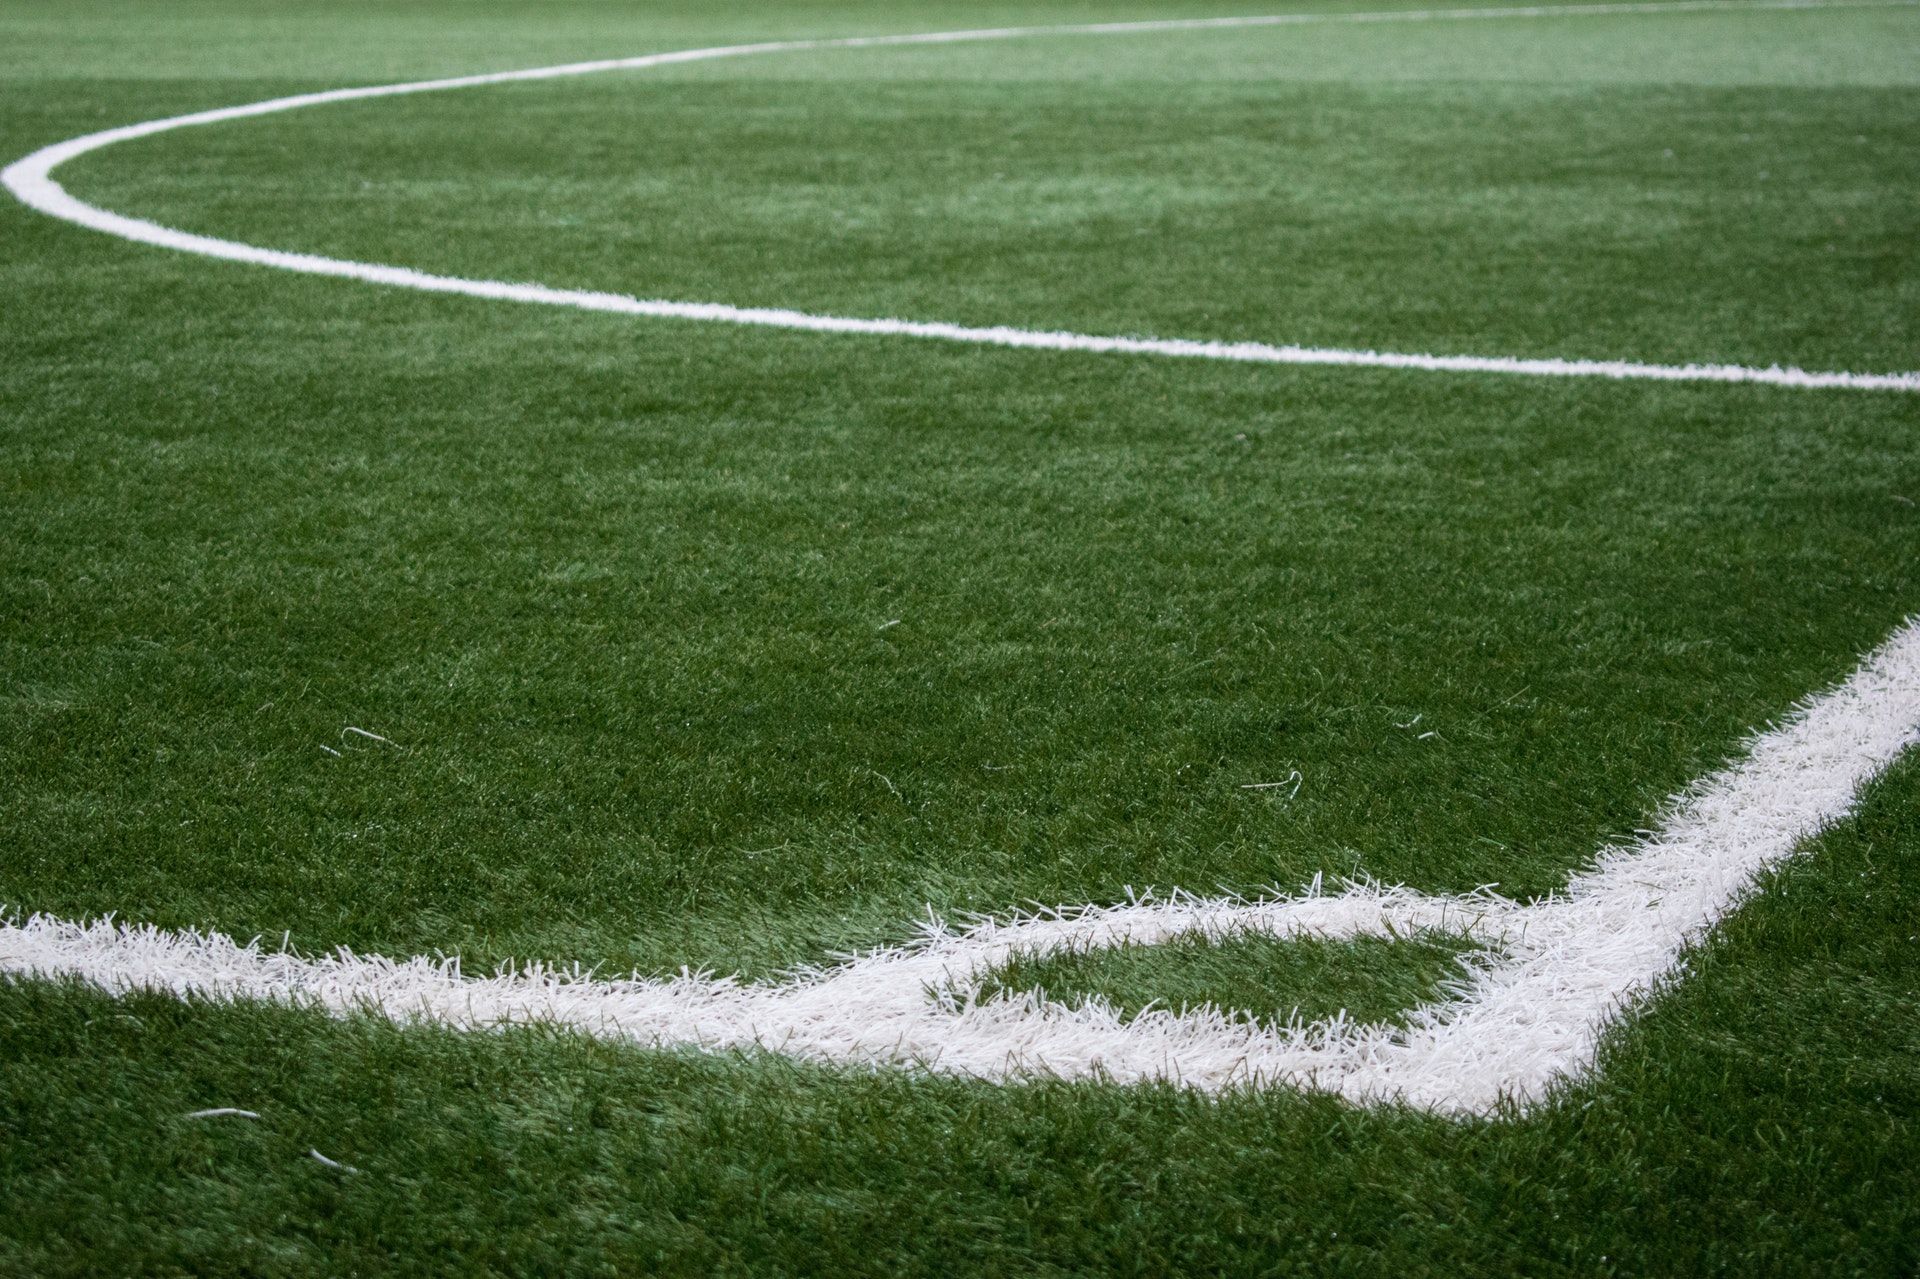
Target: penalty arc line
<point x="1527" y="1015"/>
<point x="30" y="180"/>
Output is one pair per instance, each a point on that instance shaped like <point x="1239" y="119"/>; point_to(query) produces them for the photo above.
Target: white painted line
<point x="333" y="1163"/>
<point x="31" y="180"/>
<point x="1528" y="1013"/>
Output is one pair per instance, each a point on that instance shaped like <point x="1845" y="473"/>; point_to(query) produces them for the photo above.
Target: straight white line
<point x="1529" y="1013"/>
<point x="30" y="179"/>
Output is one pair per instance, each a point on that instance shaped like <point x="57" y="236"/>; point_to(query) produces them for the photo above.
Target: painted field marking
<point x="1529" y="1012"/>
<point x="31" y="180"/>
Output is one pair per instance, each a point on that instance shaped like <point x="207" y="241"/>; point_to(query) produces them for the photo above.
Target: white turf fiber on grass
<point x="1528" y="1012"/>
<point x="31" y="180"/>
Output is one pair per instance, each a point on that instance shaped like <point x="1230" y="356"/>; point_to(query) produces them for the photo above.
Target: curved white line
<point x="30" y="179"/>
<point x="1526" y="1016"/>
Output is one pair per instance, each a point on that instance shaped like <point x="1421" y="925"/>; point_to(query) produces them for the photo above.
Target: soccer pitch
<point x="1131" y="639"/>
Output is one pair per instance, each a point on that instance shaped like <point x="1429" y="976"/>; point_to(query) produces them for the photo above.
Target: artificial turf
<point x="720" y="648"/>
<point x="1757" y="1120"/>
<point x="621" y="592"/>
<point x="1274" y="981"/>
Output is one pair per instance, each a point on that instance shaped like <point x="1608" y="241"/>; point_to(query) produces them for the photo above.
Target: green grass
<point x="1758" y="1120"/>
<point x="1270" y="980"/>
<point x="1223" y="197"/>
<point x="617" y="587"/>
<point x="617" y="591"/>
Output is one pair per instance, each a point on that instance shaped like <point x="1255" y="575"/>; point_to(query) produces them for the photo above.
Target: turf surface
<point x="618" y="589"/>
<point x="707" y="647"/>
<point x="1277" y="981"/>
<point x="1759" y="1120"/>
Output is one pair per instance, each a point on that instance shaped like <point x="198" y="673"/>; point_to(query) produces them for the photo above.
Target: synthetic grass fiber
<point x="1758" y="1121"/>
<point x="737" y="650"/>
<point x="1279" y="979"/>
